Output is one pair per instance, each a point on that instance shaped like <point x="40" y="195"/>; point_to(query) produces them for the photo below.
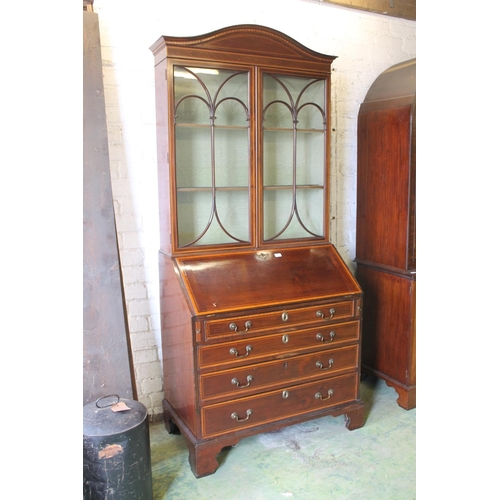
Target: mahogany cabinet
<point x="385" y="229"/>
<point x="260" y="316"/>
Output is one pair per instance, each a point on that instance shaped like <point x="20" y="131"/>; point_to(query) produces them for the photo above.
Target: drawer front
<point x="272" y="406"/>
<point x="251" y="379"/>
<point x="287" y="318"/>
<point x="247" y="351"/>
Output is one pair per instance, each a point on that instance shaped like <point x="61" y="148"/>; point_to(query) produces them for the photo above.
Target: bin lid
<point x="100" y="419"/>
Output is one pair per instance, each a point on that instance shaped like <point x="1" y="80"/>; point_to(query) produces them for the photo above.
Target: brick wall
<point x="366" y="44"/>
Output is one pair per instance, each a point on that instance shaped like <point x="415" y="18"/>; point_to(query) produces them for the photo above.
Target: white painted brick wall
<point x="366" y="44"/>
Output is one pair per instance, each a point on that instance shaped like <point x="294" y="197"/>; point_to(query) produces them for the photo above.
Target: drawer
<point x="284" y="319"/>
<point x="272" y="406"/>
<point x="251" y="379"/>
<point x="248" y="351"/>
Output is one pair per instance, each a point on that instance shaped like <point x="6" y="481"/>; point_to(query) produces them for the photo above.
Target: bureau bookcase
<point x="385" y="229"/>
<point x="260" y="316"/>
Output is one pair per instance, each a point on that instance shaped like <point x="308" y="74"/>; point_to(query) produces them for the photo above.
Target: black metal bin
<point x="116" y="450"/>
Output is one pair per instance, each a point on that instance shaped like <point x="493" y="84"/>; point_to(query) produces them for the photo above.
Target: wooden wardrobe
<point x="385" y="229"/>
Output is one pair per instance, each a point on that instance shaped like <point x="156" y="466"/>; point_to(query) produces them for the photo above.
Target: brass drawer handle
<point x="321" y="314"/>
<point x="319" y="396"/>
<point x="236" y="382"/>
<point x="320" y="337"/>
<point x="235" y="416"/>
<point x="284" y="316"/>
<point x="233" y="351"/>
<point x="319" y="364"/>
<point x="234" y="327"/>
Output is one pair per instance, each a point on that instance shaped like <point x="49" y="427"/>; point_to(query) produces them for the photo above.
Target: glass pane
<point x="279" y="205"/>
<point x="191" y="106"/>
<point x="278" y="158"/>
<point x="194" y="209"/>
<point x="294" y="154"/>
<point x="232" y="208"/>
<point x="232" y="166"/>
<point x="310" y="158"/>
<point x="212" y="155"/>
<point x="232" y="101"/>
<point x="193" y="212"/>
<point x="312" y="105"/>
<point x="308" y="201"/>
<point x="192" y="157"/>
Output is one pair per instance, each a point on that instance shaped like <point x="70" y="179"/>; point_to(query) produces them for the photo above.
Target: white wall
<point x="366" y="44"/>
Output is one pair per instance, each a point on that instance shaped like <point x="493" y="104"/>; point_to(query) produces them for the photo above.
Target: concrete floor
<point x="316" y="460"/>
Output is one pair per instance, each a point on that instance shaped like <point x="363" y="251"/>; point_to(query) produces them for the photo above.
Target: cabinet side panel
<point x="383" y="210"/>
<point x="412" y="371"/>
<point x="412" y="237"/>
<point x="388" y="327"/>
<point x="177" y="345"/>
<point x="163" y="156"/>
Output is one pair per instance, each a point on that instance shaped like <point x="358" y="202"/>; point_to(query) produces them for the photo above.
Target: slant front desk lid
<point x="263" y="278"/>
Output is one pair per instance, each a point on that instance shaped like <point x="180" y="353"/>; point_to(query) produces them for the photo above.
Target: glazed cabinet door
<point x="294" y="159"/>
<point x="212" y="153"/>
